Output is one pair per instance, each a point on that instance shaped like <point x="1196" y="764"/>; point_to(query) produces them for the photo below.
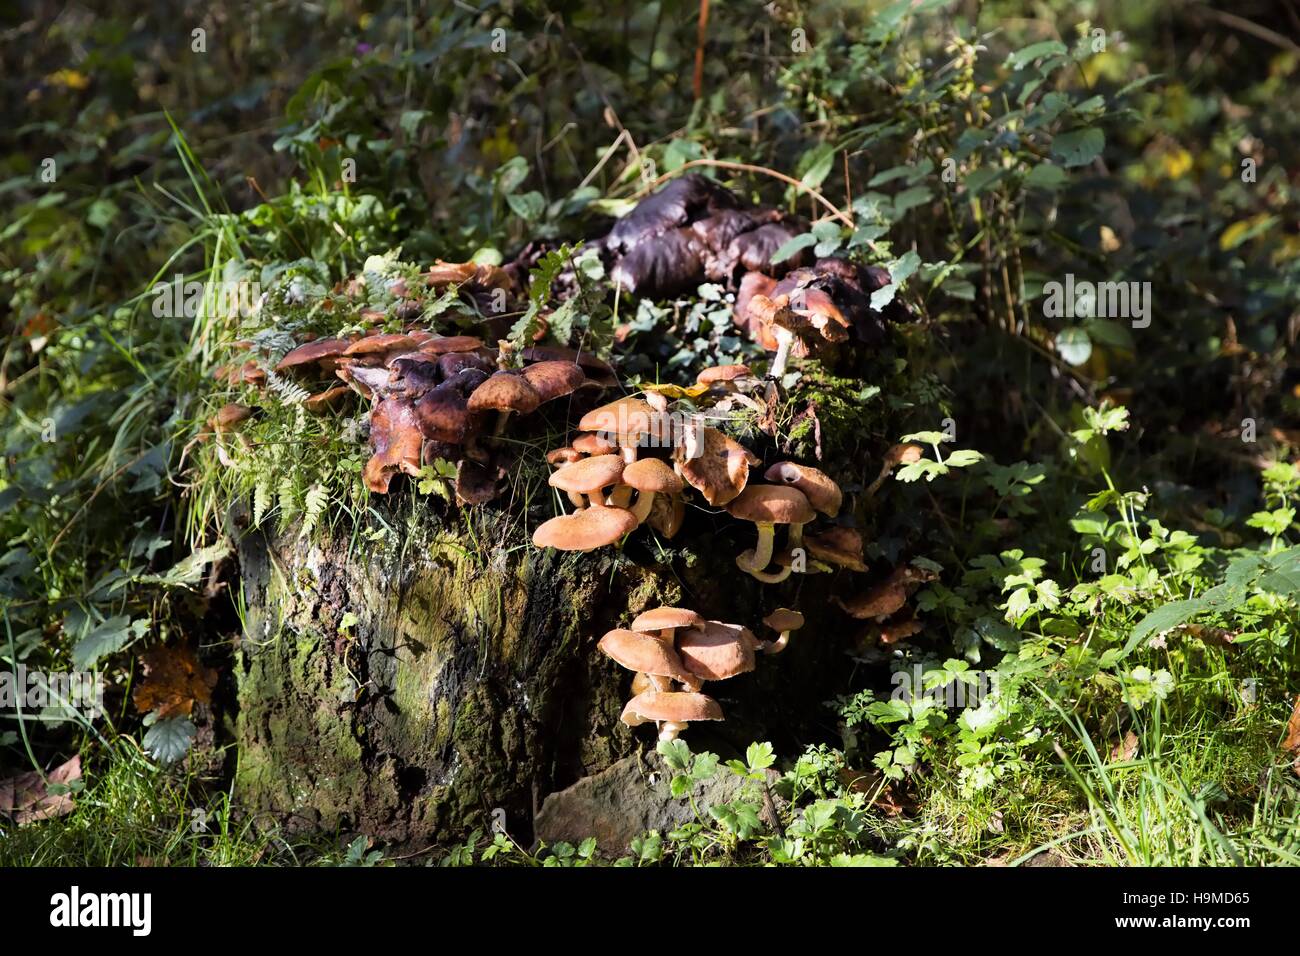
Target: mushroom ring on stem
<point x="768" y="506"/>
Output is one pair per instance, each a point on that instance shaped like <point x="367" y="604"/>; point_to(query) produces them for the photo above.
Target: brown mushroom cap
<point x="717" y="651"/>
<point x="671" y="706"/>
<point x="504" y="392"/>
<point x="443" y="345"/>
<point x="396" y="440"/>
<point x="381" y="345"/>
<point x="476" y="483"/>
<point x="563" y="456"/>
<point x="822" y="492"/>
<point x="891" y="632"/>
<point x="366" y="381"/>
<point x="585" y="530"/>
<point x="444" y="415"/>
<point x="588" y="475"/>
<point x="626" y="419"/>
<point x="644" y="653"/>
<point x="839" y="546"/>
<point x="784" y="619"/>
<point x="720" y="472"/>
<point x="772" y="504"/>
<point x="879" y="602"/>
<point x="667" y="515"/>
<point x="329" y="399"/>
<point x="903" y="454"/>
<point x="553" y="380"/>
<point x="666" y="618"/>
<point x="230" y="417"/>
<point x="321" y="351"/>
<point x="593" y="444"/>
<point x="723" y="373"/>
<point x="651" y="475"/>
<point x="555" y="353"/>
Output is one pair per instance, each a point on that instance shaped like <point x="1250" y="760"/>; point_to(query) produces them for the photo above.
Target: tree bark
<point x="471" y="680"/>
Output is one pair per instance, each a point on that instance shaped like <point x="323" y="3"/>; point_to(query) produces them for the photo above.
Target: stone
<point x="627" y="799"/>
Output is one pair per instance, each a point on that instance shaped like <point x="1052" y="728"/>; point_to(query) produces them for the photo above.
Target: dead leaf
<point x="26" y="797"/>
<point x="174" y="681"/>
<point x="1126" y="749"/>
<point x="1292" y="742"/>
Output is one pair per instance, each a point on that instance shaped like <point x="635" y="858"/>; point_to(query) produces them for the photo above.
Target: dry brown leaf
<point x="1126" y="749"/>
<point x="1292" y="742"/>
<point x="174" y="681"/>
<point x="26" y="797"/>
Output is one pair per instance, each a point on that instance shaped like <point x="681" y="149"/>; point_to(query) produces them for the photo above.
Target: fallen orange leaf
<point x="174" y="681"/>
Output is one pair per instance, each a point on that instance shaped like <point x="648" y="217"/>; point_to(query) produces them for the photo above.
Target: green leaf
<point x="1022" y="58"/>
<point x="189" y="570"/>
<point x="109" y="638"/>
<point x="527" y="206"/>
<point x="1074" y="345"/>
<point x="791" y="246"/>
<point x="169" y="740"/>
<point x="1078" y="147"/>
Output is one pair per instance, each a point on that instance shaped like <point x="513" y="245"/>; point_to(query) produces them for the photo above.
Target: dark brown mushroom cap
<point x="652" y="475"/>
<point x="327" y="400"/>
<point x="556" y="353"/>
<point x="784" y="619"/>
<point x="552" y="380"/>
<point x="772" y="504"/>
<point x="443" y="414"/>
<point x="675" y="204"/>
<point x="661" y="266"/>
<point x="879" y="602"/>
<point x="413" y="378"/>
<point x="721" y="470"/>
<point x="504" y="392"/>
<point x="396" y="440"/>
<point x="442" y="345"/>
<point x="644" y="653"/>
<point x="476" y="483"/>
<point x="666" y="618"/>
<point x="466" y="380"/>
<point x="753" y="250"/>
<point x="585" y="530"/>
<point x="723" y="373"/>
<point x="318" y="353"/>
<point x="670" y="706"/>
<point x="717" y="651"/>
<point x="840" y="546"/>
<point x="451" y="364"/>
<point x="588" y="475"/>
<point x="818" y="487"/>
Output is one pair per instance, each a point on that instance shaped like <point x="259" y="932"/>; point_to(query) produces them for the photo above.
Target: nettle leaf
<point x="170" y="739"/>
<point x="1078" y="147"/>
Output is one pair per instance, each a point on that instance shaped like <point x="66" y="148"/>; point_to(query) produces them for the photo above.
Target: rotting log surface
<point x="471" y="679"/>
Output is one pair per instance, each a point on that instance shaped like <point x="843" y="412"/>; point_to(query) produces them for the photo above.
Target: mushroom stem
<point x="669" y="729"/>
<point x="500" y="426"/>
<point x="629" y="453"/>
<point x="579" y="502"/>
<point x="784" y="339"/>
<point x="872" y="488"/>
<point x="661" y="684"/>
<point x="777" y="646"/>
<point x="621" y="498"/>
<point x="746" y="564"/>
<point x="796" y="536"/>
<point x="763" y="552"/>
<point x="644" y="502"/>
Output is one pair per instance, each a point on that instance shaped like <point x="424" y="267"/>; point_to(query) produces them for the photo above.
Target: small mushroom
<point x="230" y="418"/>
<point x="592" y="444"/>
<point x="327" y="400"/>
<point x="589" y="477"/>
<point x="716" y="651"/>
<point x="839" y="546"/>
<point x="584" y="530"/>
<point x="888" y="596"/>
<point x="767" y="506"/>
<point x="449" y="344"/>
<point x="818" y="487"/>
<point x="719" y="471"/>
<point x="649" y="477"/>
<point x="782" y="620"/>
<point x="891" y="632"/>
<point x="375" y="349"/>
<point x="552" y="380"/>
<point x="476" y="482"/>
<point x="504" y="393"/>
<point x="559" y="457"/>
<point x="672" y="710"/>
<point x="321" y="354"/>
<point x="626" y="422"/>
<point x="904" y="454"/>
<point x="664" y="621"/>
<point x="645" y="654"/>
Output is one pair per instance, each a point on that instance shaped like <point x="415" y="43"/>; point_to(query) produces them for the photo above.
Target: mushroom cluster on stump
<point x="673" y="652"/>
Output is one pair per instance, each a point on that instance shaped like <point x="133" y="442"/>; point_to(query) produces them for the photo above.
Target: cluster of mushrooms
<point x="436" y="396"/>
<point x="674" y="651"/>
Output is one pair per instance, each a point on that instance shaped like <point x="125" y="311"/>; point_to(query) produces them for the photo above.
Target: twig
<point x="835" y="211"/>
